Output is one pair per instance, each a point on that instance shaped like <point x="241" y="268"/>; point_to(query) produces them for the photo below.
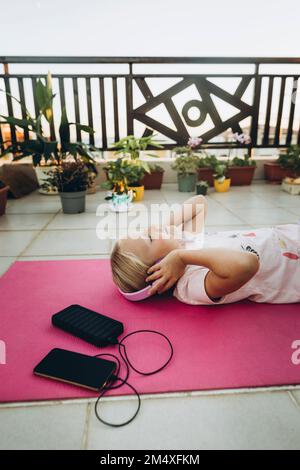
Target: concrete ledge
<point x="163" y="159"/>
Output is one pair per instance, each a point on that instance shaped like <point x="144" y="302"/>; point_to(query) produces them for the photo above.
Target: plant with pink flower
<point x="194" y="142"/>
<point x="191" y="148"/>
<point x="242" y="138"/>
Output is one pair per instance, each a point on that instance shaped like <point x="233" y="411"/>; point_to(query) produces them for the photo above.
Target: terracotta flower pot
<point x="241" y="175"/>
<point x="206" y="174"/>
<point x="3" y="199"/>
<point x="275" y="174"/>
<point x="153" y="180"/>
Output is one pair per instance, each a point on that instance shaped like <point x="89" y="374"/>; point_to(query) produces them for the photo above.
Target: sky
<point x="150" y="28"/>
<point x="153" y="27"/>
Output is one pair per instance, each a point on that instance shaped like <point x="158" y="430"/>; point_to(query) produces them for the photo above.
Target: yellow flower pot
<point x="223" y="186"/>
<point x="138" y="193"/>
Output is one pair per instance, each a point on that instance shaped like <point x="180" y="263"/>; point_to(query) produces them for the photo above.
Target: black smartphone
<point x="76" y="369"/>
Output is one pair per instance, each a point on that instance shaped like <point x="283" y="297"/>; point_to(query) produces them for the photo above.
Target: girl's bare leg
<point x="191" y="216"/>
<point x="196" y="224"/>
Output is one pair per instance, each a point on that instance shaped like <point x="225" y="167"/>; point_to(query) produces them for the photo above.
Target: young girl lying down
<point x="262" y="265"/>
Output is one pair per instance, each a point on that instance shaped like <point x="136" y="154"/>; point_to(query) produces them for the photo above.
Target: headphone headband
<point x="139" y="294"/>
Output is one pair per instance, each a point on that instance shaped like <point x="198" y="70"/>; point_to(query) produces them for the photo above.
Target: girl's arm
<point x="228" y="269"/>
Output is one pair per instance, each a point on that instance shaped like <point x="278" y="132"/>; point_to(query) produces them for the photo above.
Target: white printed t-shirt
<point x="277" y="279"/>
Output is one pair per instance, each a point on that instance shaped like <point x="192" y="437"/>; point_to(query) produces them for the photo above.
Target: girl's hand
<point x="166" y="272"/>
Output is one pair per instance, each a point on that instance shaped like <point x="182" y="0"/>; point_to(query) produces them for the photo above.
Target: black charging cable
<point x="128" y="364"/>
<point x="125" y="359"/>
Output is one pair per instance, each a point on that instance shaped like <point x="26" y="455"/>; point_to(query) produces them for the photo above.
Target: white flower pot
<point x="121" y="202"/>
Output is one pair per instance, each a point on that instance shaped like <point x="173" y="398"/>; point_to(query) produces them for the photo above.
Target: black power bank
<point x="88" y="325"/>
<point x="76" y="369"/>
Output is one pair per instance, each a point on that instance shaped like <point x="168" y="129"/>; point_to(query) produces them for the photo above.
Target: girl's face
<point x="154" y="244"/>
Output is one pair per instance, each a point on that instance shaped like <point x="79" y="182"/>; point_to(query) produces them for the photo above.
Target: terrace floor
<point x="35" y="228"/>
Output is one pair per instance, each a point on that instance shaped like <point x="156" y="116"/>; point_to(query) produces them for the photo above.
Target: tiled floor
<point x="35" y="228"/>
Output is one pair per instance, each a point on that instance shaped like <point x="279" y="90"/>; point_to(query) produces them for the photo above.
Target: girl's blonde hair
<point x="129" y="272"/>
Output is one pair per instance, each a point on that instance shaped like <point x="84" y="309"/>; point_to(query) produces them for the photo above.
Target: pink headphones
<point x="139" y="294"/>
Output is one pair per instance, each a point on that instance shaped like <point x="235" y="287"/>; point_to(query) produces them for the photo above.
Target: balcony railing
<point x="174" y="97"/>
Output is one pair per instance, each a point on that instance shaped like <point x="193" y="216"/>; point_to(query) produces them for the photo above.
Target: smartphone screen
<point x="75" y="368"/>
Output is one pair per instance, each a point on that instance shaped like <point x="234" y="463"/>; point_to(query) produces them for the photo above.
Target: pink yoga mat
<point x="215" y="347"/>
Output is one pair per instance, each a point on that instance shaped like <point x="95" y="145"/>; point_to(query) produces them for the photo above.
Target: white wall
<point x="153" y="27"/>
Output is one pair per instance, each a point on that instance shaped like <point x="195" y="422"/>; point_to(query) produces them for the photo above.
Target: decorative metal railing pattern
<point x="206" y="103"/>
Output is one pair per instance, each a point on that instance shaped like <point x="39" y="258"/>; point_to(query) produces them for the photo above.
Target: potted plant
<point x="205" y="169"/>
<point x="45" y="151"/>
<point x="206" y="162"/>
<point x="186" y="167"/>
<point x="70" y="177"/>
<point x="135" y="173"/>
<point x="287" y="165"/>
<point x="3" y="197"/>
<point x="132" y="146"/>
<point x="120" y="201"/>
<point x="221" y="180"/>
<point x="186" y="164"/>
<point x="192" y="147"/>
<point x="115" y="171"/>
<point x="119" y="195"/>
<point x="202" y="187"/>
<point x="127" y="174"/>
<point x="241" y="170"/>
<point x="153" y="180"/>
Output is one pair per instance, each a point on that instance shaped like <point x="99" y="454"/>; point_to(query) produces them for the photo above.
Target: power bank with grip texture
<point x="88" y="325"/>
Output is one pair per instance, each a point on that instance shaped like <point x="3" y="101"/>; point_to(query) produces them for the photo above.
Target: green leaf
<point x="84" y="152"/>
<point x="36" y="158"/>
<point x="64" y="129"/>
<point x="44" y="100"/>
<point x="145" y="166"/>
<point x="153" y="143"/>
<point x="50" y="149"/>
<point x="43" y="96"/>
<point x="20" y="103"/>
<point x="29" y="147"/>
<point x="23" y="123"/>
<point x="83" y="127"/>
<point x="70" y="147"/>
<point x="151" y="155"/>
<point x="107" y="185"/>
<point x="38" y="125"/>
